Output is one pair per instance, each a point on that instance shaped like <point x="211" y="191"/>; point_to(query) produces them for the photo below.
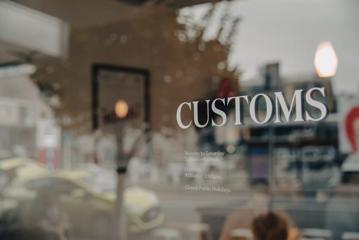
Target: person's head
<point x="270" y="226"/>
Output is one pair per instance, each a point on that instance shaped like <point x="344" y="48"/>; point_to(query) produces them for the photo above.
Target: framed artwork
<point x="112" y="84"/>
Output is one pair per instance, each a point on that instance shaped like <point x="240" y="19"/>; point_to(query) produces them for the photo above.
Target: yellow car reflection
<point x="88" y="206"/>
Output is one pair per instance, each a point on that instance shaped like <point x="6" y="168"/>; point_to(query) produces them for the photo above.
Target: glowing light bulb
<point x="121" y="108"/>
<point x="325" y="60"/>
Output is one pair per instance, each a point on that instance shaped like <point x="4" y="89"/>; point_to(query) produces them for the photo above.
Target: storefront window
<point x="179" y="120"/>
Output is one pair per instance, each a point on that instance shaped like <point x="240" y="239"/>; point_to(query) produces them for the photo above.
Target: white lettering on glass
<point x="302" y="103"/>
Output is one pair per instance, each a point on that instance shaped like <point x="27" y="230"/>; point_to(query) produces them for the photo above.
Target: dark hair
<point x="270" y="226"/>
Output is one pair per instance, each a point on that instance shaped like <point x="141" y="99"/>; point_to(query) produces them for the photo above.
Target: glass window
<point x="181" y="120"/>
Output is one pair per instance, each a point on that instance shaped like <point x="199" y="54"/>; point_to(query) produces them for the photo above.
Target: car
<point x="87" y="204"/>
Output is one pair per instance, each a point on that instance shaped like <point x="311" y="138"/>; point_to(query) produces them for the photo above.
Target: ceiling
<point x="92" y="12"/>
<point x="88" y="13"/>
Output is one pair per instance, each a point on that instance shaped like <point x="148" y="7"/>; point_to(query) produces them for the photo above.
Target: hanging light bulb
<point x="325" y="60"/>
<point x="121" y="108"/>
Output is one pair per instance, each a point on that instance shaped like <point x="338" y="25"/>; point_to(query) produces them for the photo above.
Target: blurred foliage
<point x="184" y="64"/>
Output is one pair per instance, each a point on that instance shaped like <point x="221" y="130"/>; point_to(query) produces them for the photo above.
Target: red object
<point x="350" y="119"/>
<point x="49" y="157"/>
<point x="225" y="89"/>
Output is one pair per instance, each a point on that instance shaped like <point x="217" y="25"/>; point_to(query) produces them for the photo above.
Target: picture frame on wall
<point x="112" y="84"/>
